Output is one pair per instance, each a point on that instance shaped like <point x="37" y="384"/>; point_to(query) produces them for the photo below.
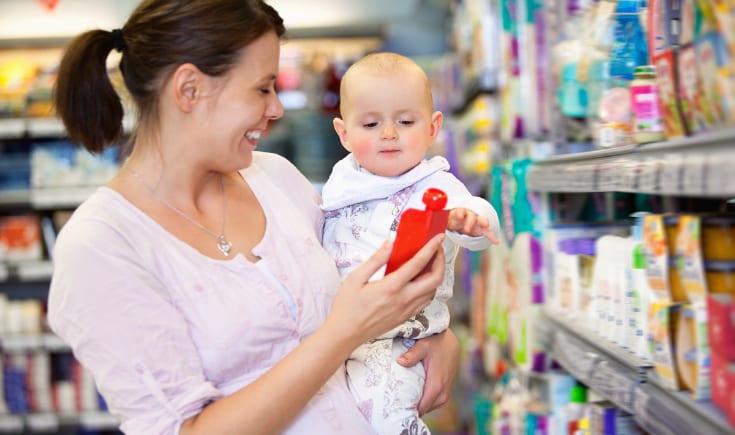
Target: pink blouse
<point x="166" y="330"/>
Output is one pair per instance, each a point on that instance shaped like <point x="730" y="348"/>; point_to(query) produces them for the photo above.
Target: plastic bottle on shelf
<point x="648" y="124"/>
<point x="576" y="409"/>
<point x="629" y="50"/>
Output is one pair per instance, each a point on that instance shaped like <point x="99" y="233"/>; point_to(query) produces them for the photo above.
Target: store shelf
<point x="67" y="197"/>
<point x="15" y="198"/>
<point x="606" y="350"/>
<point x="16" y="128"/>
<point x="612" y="373"/>
<point x="629" y="382"/>
<point x="50" y="422"/>
<point x="32" y="342"/>
<point x="676" y="411"/>
<point x="693" y="166"/>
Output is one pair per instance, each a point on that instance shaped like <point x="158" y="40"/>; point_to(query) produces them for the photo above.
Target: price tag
<point x="648" y="176"/>
<point x="605" y="179"/>
<point x="95" y="420"/>
<point x="628" y="180"/>
<point x="21" y="342"/>
<point x="719" y="176"/>
<point x="692" y="175"/>
<point x="45" y="422"/>
<point x="670" y="173"/>
<point x="587" y="177"/>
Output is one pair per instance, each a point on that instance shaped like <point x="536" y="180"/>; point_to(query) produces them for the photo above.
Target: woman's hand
<point x="363" y="310"/>
<point x="440" y="354"/>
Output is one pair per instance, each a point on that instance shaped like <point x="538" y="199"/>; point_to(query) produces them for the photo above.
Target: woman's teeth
<point x="253" y="135"/>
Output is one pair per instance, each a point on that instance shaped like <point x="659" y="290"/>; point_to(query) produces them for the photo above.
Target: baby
<point x="388" y="123"/>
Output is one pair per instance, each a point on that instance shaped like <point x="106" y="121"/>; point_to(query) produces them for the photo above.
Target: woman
<point x="193" y="285"/>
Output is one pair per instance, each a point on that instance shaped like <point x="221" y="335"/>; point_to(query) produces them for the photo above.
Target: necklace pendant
<point x="223" y="245"/>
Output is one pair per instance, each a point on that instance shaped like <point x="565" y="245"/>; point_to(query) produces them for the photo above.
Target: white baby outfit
<point x="362" y="211"/>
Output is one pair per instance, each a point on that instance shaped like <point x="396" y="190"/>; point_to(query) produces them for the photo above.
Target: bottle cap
<point x="578" y="394"/>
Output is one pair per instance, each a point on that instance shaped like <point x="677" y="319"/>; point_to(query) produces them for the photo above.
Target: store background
<point x="541" y="317"/>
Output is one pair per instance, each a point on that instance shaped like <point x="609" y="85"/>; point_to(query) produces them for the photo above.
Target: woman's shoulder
<point x="285" y="175"/>
<point x="99" y="218"/>
<point x="270" y="162"/>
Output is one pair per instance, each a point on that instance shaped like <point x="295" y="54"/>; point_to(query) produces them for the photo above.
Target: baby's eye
<point x="406" y="122"/>
<point x="370" y="125"/>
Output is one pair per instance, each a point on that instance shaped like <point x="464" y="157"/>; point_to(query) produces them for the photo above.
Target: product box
<point x="662" y="329"/>
<point x="712" y="55"/>
<point x="693" y="351"/>
<point x="723" y="383"/>
<point x="689" y="258"/>
<point x="668" y="101"/>
<point x="20" y="238"/>
<point x="691" y="92"/>
<point x="656" y="251"/>
<point x="721" y="330"/>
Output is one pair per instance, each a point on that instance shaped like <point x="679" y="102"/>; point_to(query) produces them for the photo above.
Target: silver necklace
<point x="223" y="244"/>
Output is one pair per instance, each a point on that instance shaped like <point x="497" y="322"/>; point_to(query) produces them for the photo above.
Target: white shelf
<point x="27" y="342"/>
<point x="693" y="166"/>
<point x="49" y="422"/>
<point x="49" y="198"/>
<point x="17" y="128"/>
<point x="15" y="197"/>
<point x="29" y="271"/>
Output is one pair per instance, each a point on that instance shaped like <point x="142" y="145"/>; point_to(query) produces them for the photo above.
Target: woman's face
<point x="245" y="103"/>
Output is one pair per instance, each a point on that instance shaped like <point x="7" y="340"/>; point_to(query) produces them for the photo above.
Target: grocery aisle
<point x="606" y="307"/>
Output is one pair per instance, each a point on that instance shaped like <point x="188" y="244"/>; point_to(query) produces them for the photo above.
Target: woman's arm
<point x="361" y="310"/>
<point x="440" y="355"/>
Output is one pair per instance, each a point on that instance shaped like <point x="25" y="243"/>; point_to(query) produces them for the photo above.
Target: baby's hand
<point x="467" y="222"/>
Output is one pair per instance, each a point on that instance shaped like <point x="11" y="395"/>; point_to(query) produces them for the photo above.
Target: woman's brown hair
<point x="159" y="36"/>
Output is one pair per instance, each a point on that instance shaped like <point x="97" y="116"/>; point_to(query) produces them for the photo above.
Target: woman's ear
<point x="339" y="127"/>
<point x="187" y="82"/>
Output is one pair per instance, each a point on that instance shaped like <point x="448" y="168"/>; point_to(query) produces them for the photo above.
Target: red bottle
<point x="417" y="227"/>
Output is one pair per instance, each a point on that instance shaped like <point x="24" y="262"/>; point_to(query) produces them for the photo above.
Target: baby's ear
<point x="437" y="118"/>
<point x="339" y="127"/>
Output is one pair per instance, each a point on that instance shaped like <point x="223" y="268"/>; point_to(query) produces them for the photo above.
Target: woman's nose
<point x="274" y="109"/>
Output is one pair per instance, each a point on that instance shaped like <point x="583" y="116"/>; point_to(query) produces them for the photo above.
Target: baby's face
<point x="388" y="123"/>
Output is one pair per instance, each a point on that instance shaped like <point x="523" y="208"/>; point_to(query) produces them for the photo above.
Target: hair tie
<point x="118" y="43"/>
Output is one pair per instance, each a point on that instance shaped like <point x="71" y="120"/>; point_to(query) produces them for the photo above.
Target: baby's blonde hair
<point x="382" y="63"/>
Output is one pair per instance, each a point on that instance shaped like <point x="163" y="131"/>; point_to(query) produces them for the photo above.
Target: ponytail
<point x="84" y="97"/>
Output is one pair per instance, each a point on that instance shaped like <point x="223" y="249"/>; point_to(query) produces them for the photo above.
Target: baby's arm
<point x="467" y="222"/>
